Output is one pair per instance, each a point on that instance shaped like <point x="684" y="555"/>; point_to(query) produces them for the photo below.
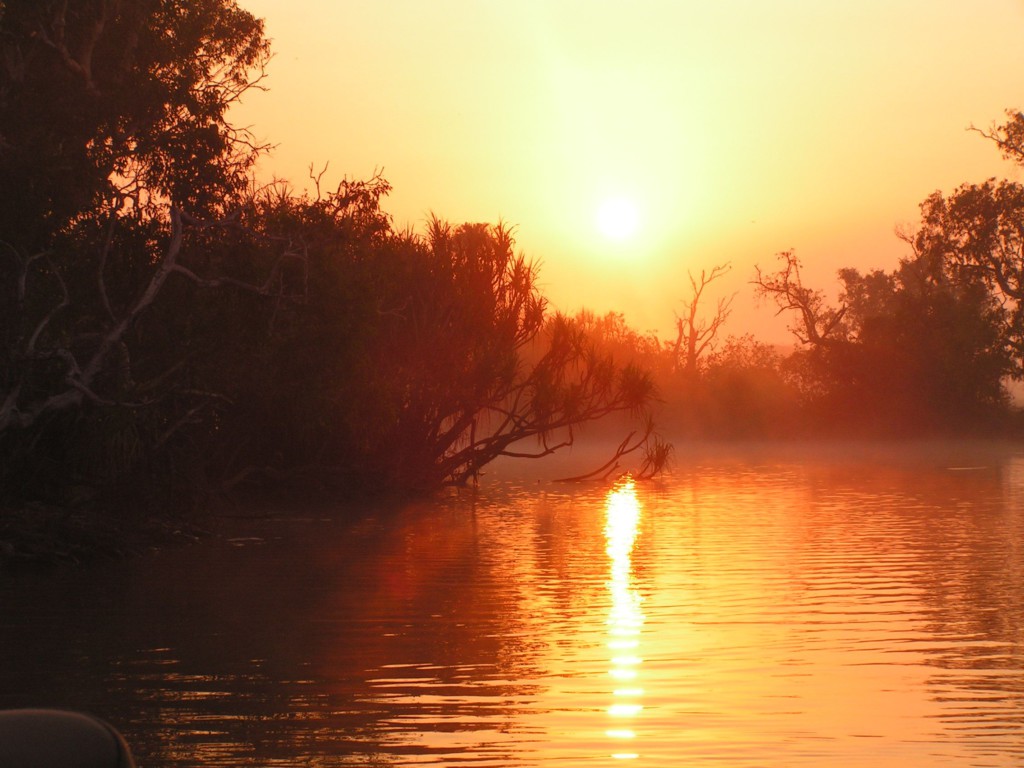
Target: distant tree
<point x="612" y="335"/>
<point x="925" y="351"/>
<point x="976" y="235"/>
<point x="746" y="392"/>
<point x="696" y="334"/>
<point x="1008" y="136"/>
<point x="931" y="344"/>
<point x="818" y="323"/>
<point x="915" y="349"/>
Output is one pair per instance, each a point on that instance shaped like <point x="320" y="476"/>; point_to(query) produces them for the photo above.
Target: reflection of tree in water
<point x="428" y="629"/>
<point x="309" y="640"/>
<point x="565" y="560"/>
<point x="448" y="682"/>
<point x="954" y="533"/>
<point x="975" y="610"/>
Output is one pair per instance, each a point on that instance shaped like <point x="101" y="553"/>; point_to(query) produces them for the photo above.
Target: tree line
<point x="930" y="348"/>
<point x="934" y="345"/>
<point x="170" y="328"/>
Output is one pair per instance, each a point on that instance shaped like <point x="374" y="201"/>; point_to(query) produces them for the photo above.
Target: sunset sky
<point x="705" y="132"/>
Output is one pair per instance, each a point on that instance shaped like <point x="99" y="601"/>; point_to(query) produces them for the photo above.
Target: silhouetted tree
<point x="744" y="392"/>
<point x="818" y="323"/>
<point x="976" y="235"/>
<point x="1008" y="136"/>
<point x="459" y="366"/>
<point x="694" y="334"/>
<point x="120" y="105"/>
<point x="612" y="335"/>
<point x="915" y="349"/>
<point x="117" y="171"/>
<point x="925" y="351"/>
<point x="410" y="361"/>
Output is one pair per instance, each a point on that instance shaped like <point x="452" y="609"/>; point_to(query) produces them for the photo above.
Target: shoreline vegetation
<point x="172" y="331"/>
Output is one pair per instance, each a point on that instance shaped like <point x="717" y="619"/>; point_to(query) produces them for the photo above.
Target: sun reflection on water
<point x="625" y="617"/>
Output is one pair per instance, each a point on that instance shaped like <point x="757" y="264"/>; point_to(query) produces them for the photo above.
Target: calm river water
<point x="757" y="607"/>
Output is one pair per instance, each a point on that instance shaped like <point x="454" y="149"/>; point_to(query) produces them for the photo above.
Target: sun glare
<point x="625" y="617"/>
<point x="617" y="218"/>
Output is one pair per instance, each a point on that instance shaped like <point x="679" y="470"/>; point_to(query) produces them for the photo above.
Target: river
<point x="817" y="605"/>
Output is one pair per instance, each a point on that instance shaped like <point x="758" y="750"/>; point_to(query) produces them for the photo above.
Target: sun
<point x="617" y="218"/>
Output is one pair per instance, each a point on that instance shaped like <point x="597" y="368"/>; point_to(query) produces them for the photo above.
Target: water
<point x="758" y="607"/>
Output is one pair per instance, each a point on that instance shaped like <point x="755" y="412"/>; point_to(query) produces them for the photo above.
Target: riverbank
<point x="41" y="535"/>
<point x="45" y="535"/>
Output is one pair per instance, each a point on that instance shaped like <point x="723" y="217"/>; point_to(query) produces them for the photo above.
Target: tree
<point x="740" y="392"/>
<point x="818" y="323"/>
<point x="927" y="350"/>
<point x="915" y="349"/>
<point x="976" y="235"/>
<point x="120" y="105"/>
<point x="165" y="326"/>
<point x="412" y="360"/>
<point x="112" y="118"/>
<point x="1009" y="136"/>
<point x="695" y="334"/>
<point x="462" y="365"/>
<point x="611" y="335"/>
<point x="931" y="344"/>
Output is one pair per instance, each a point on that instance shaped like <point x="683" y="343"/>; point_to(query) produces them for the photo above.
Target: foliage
<point x="424" y="357"/>
<point x="742" y="391"/>
<point x="1009" y="136"/>
<point x="109" y="111"/>
<point x="976" y="235"/>
<point x="120" y="105"/>
<point x="928" y="351"/>
<point x="612" y="336"/>
<point x="921" y="348"/>
<point x="931" y="345"/>
<point x="166" y="329"/>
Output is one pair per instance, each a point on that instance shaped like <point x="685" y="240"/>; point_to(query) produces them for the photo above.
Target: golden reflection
<point x="625" y="617"/>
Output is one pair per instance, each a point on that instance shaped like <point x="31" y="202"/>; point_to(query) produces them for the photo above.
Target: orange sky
<point x="737" y="128"/>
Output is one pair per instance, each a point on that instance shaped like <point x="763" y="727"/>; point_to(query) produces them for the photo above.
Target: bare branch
<point x="187" y="417"/>
<point x="819" y="324"/>
<point x="79" y="63"/>
<point x="1009" y="136"/>
<point x="694" y="334"/>
<point x="79" y="379"/>
<point x="605" y="470"/>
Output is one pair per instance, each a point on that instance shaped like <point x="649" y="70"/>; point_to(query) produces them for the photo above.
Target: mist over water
<point x="815" y="605"/>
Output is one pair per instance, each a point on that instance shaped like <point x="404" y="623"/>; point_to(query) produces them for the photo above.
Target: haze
<point x="738" y="129"/>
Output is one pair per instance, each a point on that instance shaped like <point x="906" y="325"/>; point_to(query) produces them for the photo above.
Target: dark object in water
<point x="52" y="738"/>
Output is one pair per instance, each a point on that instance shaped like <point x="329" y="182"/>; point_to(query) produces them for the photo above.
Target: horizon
<point x="733" y="132"/>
